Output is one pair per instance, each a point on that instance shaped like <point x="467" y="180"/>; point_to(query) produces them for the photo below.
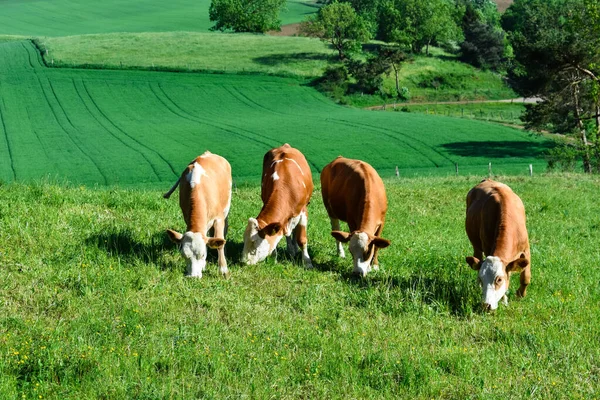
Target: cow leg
<point x="219" y="232"/>
<point x="375" y="263"/>
<point x="335" y="226"/>
<point x="525" y="280"/>
<point x="292" y="247"/>
<point x="301" y="238"/>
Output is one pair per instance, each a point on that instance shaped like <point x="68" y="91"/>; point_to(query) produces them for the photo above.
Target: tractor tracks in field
<point x="175" y="109"/>
<point x="71" y="136"/>
<point x="107" y="120"/>
<point x="8" y="147"/>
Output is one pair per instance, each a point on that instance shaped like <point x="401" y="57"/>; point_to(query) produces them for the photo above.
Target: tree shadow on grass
<point x="499" y="149"/>
<point x="286" y="58"/>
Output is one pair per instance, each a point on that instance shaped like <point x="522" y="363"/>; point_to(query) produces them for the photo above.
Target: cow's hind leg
<point x="301" y="238"/>
<point x="219" y="232"/>
<point x="525" y="280"/>
<point x="335" y="226"/>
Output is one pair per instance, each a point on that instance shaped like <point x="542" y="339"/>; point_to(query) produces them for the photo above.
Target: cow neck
<point x="274" y="210"/>
<point x="370" y="220"/>
<point x="198" y="212"/>
<point x="506" y="235"/>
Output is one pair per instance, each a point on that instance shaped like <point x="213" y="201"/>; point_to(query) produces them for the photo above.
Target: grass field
<point x="139" y="128"/>
<point x="94" y="304"/>
<point x="494" y="112"/>
<point x="65" y="17"/>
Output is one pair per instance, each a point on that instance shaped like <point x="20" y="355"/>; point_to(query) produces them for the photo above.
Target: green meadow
<point x="94" y="302"/>
<point x="140" y="128"/>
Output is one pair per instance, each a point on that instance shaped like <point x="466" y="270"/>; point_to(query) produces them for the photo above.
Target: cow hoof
<point x="194" y="276"/>
<point x="521" y="293"/>
<point x="308" y="265"/>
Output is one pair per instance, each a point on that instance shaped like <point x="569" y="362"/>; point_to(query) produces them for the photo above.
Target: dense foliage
<point x="557" y="57"/>
<point x="245" y="15"/>
<point x="339" y="25"/>
<point x="484" y="40"/>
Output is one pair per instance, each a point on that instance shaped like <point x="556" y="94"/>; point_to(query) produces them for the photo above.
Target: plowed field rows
<point x="135" y="127"/>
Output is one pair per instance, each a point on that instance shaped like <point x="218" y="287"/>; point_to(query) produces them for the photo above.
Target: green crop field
<point x="65" y="17"/>
<point x="94" y="302"/>
<point x="139" y="128"/>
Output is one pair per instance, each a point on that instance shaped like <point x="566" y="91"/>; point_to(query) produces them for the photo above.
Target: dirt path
<point x="521" y="100"/>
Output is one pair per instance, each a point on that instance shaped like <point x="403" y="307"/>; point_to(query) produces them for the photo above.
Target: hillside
<point x="65" y="17"/>
<point x="137" y="127"/>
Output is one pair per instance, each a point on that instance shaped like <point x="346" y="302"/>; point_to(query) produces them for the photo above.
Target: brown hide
<point x="495" y="223"/>
<point x="208" y="199"/>
<point x="353" y="192"/>
<point x="289" y="195"/>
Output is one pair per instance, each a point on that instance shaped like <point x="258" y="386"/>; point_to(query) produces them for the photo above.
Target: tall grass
<point x="94" y="304"/>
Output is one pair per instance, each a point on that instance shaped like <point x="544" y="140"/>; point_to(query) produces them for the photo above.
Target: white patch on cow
<point x="256" y="249"/>
<point x="207" y="154"/>
<point x="193" y="249"/>
<point x="293" y="222"/>
<point x="297" y="165"/>
<point x="194" y="176"/>
<point x="359" y="244"/>
<point x="335" y="226"/>
<point x="275" y="176"/>
<point x="275" y="162"/>
<point x="492" y="269"/>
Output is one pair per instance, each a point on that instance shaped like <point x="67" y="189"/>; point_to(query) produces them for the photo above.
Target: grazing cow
<point x="495" y="226"/>
<point x="354" y="193"/>
<point x="285" y="191"/>
<point x="204" y="198"/>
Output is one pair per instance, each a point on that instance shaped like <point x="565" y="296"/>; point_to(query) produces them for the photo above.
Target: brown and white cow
<point x="285" y="191"/>
<point x="495" y="226"/>
<point x="353" y="192"/>
<point x="204" y="198"/>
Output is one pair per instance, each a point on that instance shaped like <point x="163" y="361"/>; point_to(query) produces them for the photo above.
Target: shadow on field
<point x="285" y="58"/>
<point x="124" y="245"/>
<point x="501" y="149"/>
<point x="453" y="291"/>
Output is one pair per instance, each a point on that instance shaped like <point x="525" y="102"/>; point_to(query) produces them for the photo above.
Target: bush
<point x="334" y="81"/>
<point x="563" y="157"/>
<point x="447" y="81"/>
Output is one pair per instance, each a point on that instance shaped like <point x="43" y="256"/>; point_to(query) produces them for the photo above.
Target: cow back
<point x="353" y="192"/>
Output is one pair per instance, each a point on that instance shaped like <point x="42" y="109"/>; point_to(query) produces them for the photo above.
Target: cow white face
<point x="192" y="246"/>
<point x="493" y="278"/>
<point x="260" y="243"/>
<point x="362" y="246"/>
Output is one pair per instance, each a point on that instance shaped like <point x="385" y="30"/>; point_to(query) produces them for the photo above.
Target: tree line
<point x="548" y="49"/>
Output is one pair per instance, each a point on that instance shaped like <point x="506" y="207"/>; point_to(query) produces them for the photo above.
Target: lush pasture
<point x="191" y="51"/>
<point x="134" y="127"/>
<point x="66" y="17"/>
<point x="94" y="304"/>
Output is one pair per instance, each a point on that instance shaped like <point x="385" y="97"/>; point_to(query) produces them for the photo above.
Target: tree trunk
<point x="396" y="72"/>
<point x="587" y="167"/>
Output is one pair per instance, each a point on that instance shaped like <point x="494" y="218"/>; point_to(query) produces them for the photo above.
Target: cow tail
<point x="170" y="192"/>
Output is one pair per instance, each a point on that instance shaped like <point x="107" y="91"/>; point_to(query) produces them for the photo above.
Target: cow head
<point x="493" y="277"/>
<point x="362" y="246"/>
<point x="192" y="246"/>
<point x="260" y="243"/>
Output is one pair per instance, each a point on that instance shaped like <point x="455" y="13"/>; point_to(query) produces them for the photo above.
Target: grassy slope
<point x="93" y="302"/>
<point x="128" y="127"/>
<point x="192" y="51"/>
<point x="495" y="112"/>
<point x="65" y="17"/>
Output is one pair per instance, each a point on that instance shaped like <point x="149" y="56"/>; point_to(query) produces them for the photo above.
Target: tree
<point x="339" y="25"/>
<point x="557" y="57"/>
<point x="245" y="15"/>
<point x="484" y="44"/>
<point x="419" y="23"/>
<point x="392" y="58"/>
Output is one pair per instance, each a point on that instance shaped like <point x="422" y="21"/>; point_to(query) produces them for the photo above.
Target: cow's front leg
<point x="302" y="239"/>
<point x="525" y="279"/>
<point x="335" y="226"/>
<point x="220" y="233"/>
<point x="292" y="247"/>
<point x="375" y="263"/>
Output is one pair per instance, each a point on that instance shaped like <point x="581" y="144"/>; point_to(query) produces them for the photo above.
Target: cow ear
<point x="518" y="264"/>
<point x="341" y="236"/>
<point x="253" y="223"/>
<point x="174" y="236"/>
<point x="215" y="243"/>
<point x="270" y="230"/>
<point x="475" y="263"/>
<point x="380" y="242"/>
